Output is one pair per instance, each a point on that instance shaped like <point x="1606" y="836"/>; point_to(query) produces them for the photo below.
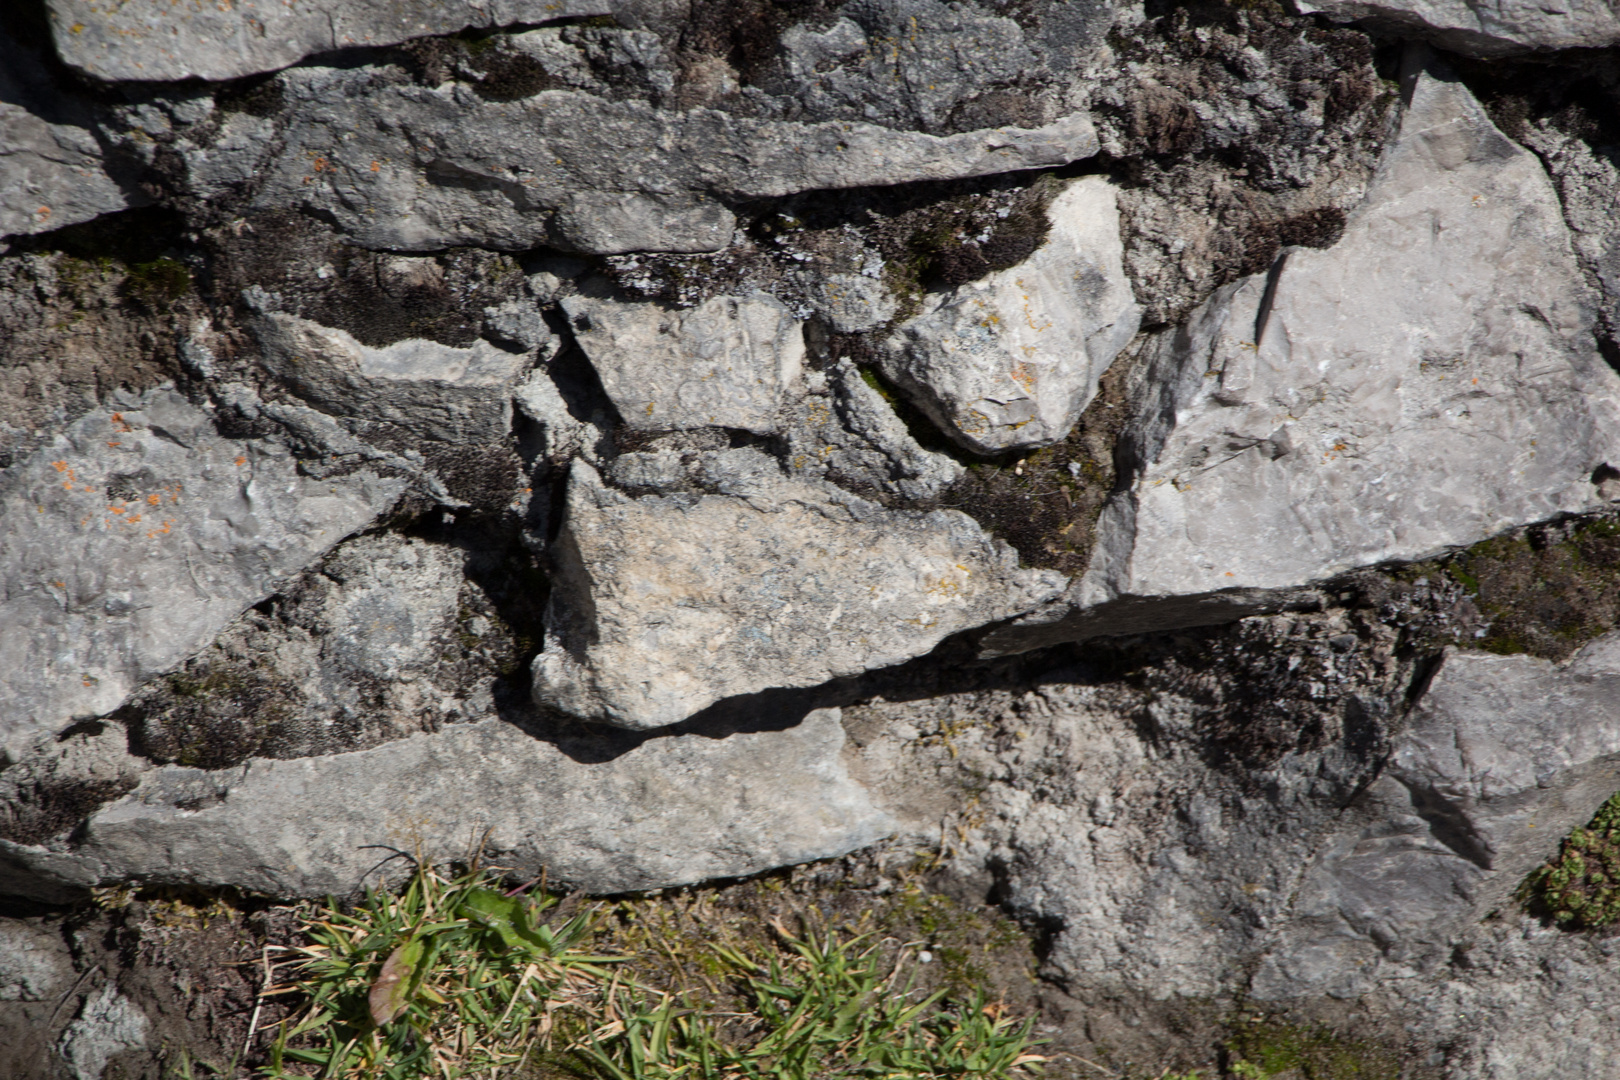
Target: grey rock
<point x="1345" y="438"/>
<point x="134" y="537"/>
<point x="1501" y="28"/>
<point x="1010" y="361"/>
<point x="411" y="168"/>
<point x="431" y="390"/>
<point x="844" y="431"/>
<point x="1501" y="758"/>
<point x="668" y="811"/>
<point x="148" y="41"/>
<point x="109" y="1024"/>
<point x="852" y="303"/>
<point x="34" y="963"/>
<point x="561" y="434"/>
<point x="53" y="170"/>
<point x="519" y="326"/>
<point x="729" y="362"/>
<point x="664" y="605"/>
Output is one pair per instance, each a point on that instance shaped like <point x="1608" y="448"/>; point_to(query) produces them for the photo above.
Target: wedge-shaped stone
<point x="729" y="362"/>
<point x="135" y="537"/>
<point x="437" y="391"/>
<point x="1010" y="361"/>
<point x="1497" y="28"/>
<point x="1502" y="757"/>
<point x="664" y="605"/>
<point x="669" y="811"/>
<point x="1428" y="382"/>
<point x="412" y="168"/>
<point x="154" y="40"/>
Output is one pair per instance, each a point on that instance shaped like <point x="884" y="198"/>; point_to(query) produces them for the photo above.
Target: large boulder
<point x="152" y="41"/>
<point x="1429" y="381"/>
<point x="134" y="537"/>
<point x="1008" y="362"/>
<point x="732" y="361"/>
<point x="666" y="811"/>
<point x="1501" y="28"/>
<point x="666" y="604"/>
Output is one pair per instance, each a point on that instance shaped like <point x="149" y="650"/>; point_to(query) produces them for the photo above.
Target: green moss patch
<point x="1270" y="1050"/>
<point x="1579" y="888"/>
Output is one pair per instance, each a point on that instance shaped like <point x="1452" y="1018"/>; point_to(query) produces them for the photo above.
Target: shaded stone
<point x="1500" y="28"/>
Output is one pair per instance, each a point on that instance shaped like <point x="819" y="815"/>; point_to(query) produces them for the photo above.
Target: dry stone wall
<point x="1164" y="460"/>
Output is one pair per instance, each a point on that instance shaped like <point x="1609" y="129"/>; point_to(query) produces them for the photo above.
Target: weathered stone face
<point x="135" y="537"/>
<point x="730" y="362"/>
<point x="1474" y="29"/>
<point x="1008" y="362"/>
<point x="666" y="604"/>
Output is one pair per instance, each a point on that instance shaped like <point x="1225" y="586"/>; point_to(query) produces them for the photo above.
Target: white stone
<point x="729" y="362"/>
<point x="1010" y="361"/>
<point x="664" y="605"/>
<point x="1486" y="27"/>
<point x="669" y="811"/>
<point x="1430" y="381"/>
<point x="108" y="1024"/>
<point x="154" y="40"/>
<point x="133" y="538"/>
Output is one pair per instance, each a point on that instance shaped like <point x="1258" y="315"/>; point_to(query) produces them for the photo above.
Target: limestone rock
<point x="134" y="537"/>
<point x="150" y="41"/>
<point x="665" y="604"/>
<point x="432" y="390"/>
<point x="669" y="811"/>
<point x="53" y="170"/>
<point x="1500" y="28"/>
<point x="1008" y="362"/>
<point x="108" y="1024"/>
<point x="1428" y="382"/>
<point x="34" y="963"/>
<point x="729" y="362"/>
<point x="1502" y="757"/>
<point x="409" y="168"/>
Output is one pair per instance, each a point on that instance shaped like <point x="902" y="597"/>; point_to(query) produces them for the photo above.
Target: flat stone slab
<point x="411" y="168"/>
<point x="1428" y="382"/>
<point x="670" y="811"/>
<point x="154" y="40"/>
<point x="1503" y="756"/>
<point x="1010" y="361"/>
<point x="1500" y="28"/>
<point x="663" y="605"/>
<point x="437" y="391"/>
<point x="732" y="361"/>
<point x="133" y="538"/>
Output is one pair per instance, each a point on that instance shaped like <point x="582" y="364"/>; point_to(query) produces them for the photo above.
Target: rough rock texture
<point x="109" y="1024"/>
<point x="680" y="808"/>
<point x="430" y="390"/>
<point x="136" y="536"/>
<point x="651" y="621"/>
<point x="150" y="41"/>
<point x="729" y="362"/>
<point x="1351" y="408"/>
<point x="33" y="966"/>
<point x="1485" y="29"/>
<point x="1008" y="362"/>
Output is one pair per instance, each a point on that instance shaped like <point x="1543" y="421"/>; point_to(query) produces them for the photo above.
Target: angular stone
<point x="133" y="538"/>
<point x="664" y="605"/>
<point x="53" y="171"/>
<point x="432" y="390"/>
<point x="1500" y="28"/>
<point x="150" y="40"/>
<point x="669" y="811"/>
<point x="729" y="362"/>
<point x="1008" y="362"/>
<point x="1503" y="755"/>
<point x="411" y="168"/>
<point x="1428" y="382"/>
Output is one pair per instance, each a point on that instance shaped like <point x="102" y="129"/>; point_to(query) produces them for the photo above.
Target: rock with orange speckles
<point x="1009" y="361"/>
<point x="137" y="535"/>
